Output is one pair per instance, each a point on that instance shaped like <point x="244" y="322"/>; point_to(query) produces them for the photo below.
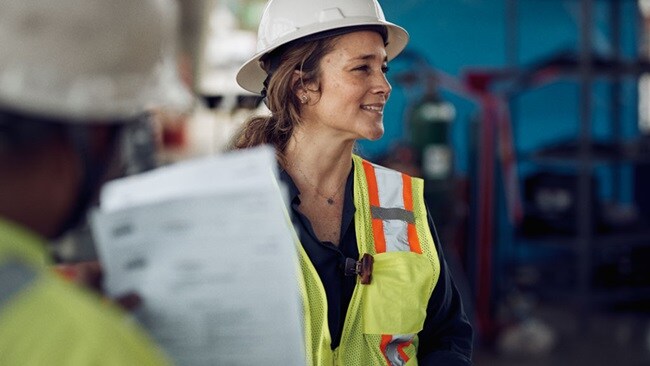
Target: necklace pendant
<point x="330" y="201"/>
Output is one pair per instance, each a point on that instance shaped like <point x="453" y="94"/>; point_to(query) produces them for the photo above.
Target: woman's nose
<point x="382" y="86"/>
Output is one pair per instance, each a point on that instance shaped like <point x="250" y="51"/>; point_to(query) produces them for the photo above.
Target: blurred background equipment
<point x="552" y="204"/>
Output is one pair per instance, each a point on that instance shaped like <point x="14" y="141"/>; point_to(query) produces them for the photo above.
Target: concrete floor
<point x="600" y="337"/>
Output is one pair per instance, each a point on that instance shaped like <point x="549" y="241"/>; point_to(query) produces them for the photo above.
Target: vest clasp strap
<point x="362" y="268"/>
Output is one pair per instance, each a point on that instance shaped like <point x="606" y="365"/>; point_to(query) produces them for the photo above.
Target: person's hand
<point x="90" y="275"/>
<point x="86" y="274"/>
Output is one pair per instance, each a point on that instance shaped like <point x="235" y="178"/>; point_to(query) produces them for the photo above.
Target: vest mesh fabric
<point x="426" y="239"/>
<point x="317" y="337"/>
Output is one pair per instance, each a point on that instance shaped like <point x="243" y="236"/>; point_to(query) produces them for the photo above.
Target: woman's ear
<point x="296" y="80"/>
<point x="301" y="91"/>
<point x="305" y="92"/>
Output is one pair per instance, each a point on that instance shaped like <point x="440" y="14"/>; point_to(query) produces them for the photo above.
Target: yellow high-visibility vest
<point x="385" y="316"/>
<point x="47" y="321"/>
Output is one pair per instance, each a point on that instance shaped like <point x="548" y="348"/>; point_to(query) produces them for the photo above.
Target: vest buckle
<point x="362" y="268"/>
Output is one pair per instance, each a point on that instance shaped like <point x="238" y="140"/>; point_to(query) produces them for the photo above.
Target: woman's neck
<point x="323" y="160"/>
<point x="320" y="167"/>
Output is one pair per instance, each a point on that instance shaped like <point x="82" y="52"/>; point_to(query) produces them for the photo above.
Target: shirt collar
<point x="294" y="192"/>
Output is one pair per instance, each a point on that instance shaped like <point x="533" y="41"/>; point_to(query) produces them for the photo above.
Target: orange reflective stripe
<point x="378" y="232"/>
<point x="403" y="354"/>
<point x="407" y="189"/>
<point x="414" y="241"/>
<point x="385" y="340"/>
<point x="373" y="191"/>
<point x="407" y="192"/>
<point x="373" y="194"/>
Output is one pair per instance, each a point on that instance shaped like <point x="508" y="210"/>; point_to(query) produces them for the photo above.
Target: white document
<point x="239" y="170"/>
<point x="214" y="261"/>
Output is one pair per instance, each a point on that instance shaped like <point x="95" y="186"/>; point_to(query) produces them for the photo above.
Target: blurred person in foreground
<point x="377" y="290"/>
<point x="73" y="75"/>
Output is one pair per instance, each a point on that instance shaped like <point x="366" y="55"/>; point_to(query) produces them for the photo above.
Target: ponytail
<point x="282" y="94"/>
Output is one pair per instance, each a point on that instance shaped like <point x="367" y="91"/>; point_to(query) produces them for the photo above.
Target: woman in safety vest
<point x="375" y="286"/>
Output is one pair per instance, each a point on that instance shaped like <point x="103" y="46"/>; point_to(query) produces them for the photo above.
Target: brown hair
<point x="281" y="94"/>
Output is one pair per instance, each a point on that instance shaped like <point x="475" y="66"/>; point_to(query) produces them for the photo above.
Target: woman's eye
<point x="367" y="68"/>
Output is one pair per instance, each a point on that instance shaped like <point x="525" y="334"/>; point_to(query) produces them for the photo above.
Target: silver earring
<point x="304" y="99"/>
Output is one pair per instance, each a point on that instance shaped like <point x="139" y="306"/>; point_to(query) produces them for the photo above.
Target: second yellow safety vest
<point x="383" y="317"/>
<point x="46" y="321"/>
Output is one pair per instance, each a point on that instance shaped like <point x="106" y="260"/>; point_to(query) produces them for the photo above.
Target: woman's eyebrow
<point x="368" y="57"/>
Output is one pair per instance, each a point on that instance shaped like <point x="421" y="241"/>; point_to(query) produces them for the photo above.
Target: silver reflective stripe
<point x="389" y="185"/>
<point x="390" y="188"/>
<point x="392" y="354"/>
<point x="14" y="277"/>
<point x="392" y="214"/>
<point x="396" y="234"/>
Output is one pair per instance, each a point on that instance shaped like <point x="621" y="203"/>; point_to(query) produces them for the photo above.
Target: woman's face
<point x="353" y="88"/>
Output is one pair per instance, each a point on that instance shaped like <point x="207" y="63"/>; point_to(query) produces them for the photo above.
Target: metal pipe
<point x="585" y="204"/>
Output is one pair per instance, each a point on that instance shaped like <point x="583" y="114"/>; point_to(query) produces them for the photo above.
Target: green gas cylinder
<point x="430" y="122"/>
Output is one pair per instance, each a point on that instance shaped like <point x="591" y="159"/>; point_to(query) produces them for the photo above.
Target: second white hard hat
<point x="284" y="21"/>
<point x="89" y="60"/>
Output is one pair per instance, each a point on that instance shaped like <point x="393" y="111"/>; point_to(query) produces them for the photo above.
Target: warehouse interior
<point x="529" y="121"/>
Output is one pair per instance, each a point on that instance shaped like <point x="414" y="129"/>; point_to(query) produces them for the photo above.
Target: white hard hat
<point x="89" y="60"/>
<point x="285" y="21"/>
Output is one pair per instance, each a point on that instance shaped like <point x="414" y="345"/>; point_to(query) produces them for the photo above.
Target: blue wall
<point x="457" y="34"/>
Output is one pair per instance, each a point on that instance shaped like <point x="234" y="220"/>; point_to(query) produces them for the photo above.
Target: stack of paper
<point x="208" y="246"/>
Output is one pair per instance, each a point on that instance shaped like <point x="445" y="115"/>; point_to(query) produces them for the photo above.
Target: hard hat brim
<point x="251" y="76"/>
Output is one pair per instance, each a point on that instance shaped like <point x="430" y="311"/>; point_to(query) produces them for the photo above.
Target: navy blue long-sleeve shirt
<point x="446" y="338"/>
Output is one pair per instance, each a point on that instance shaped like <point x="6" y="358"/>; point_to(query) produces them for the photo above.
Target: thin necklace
<point x="329" y="199"/>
